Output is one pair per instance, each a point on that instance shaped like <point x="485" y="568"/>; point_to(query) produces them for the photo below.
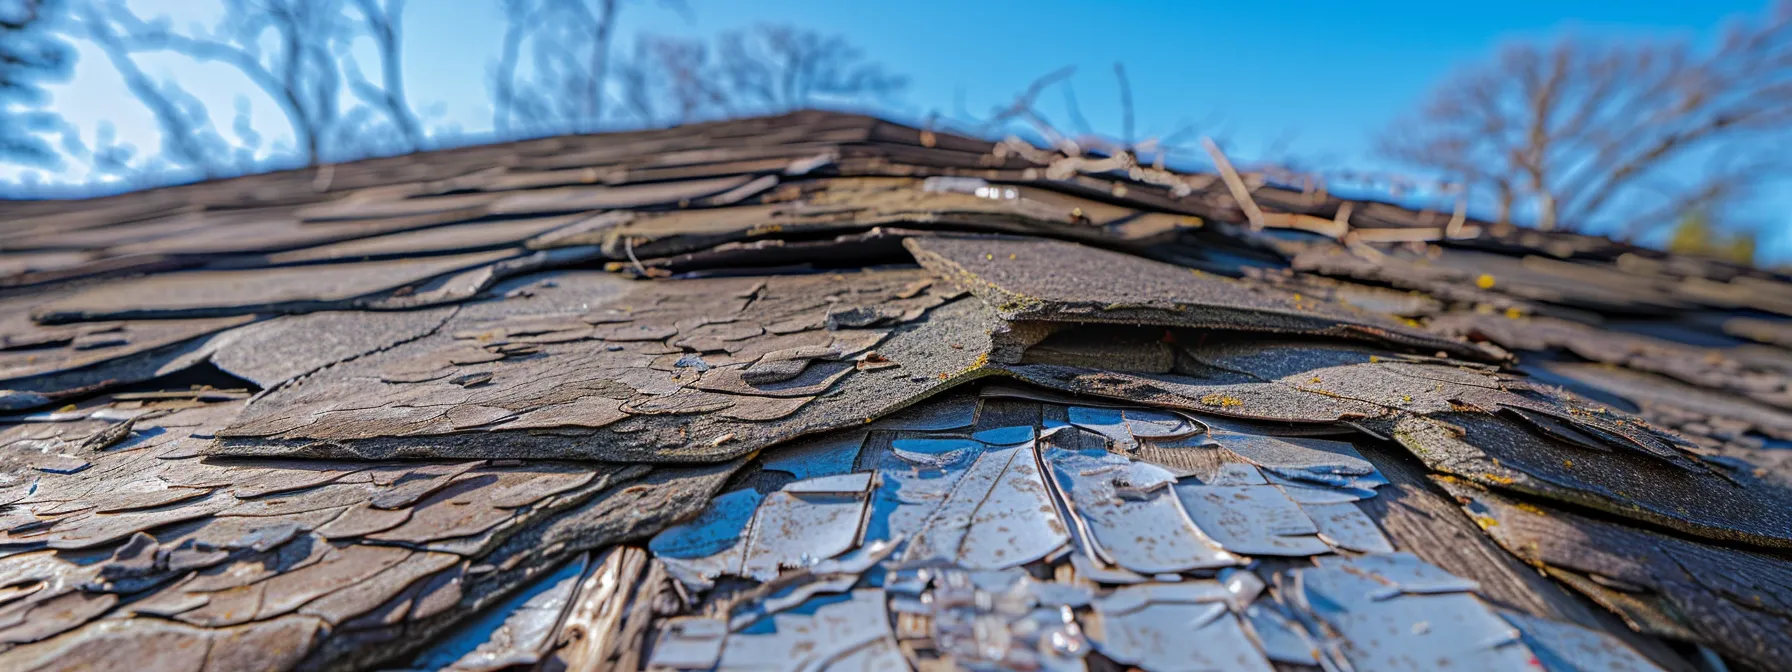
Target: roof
<point x="823" y="390"/>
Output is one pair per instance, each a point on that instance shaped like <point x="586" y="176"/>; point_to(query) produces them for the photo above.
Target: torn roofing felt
<point x="822" y="390"/>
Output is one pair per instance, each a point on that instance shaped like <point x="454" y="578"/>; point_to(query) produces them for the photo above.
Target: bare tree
<point x="519" y="17"/>
<point x="30" y="54"/>
<point x="184" y="140"/>
<point x="382" y="22"/>
<point x="775" y="68"/>
<point x="1583" y="132"/>
<point x="295" y="51"/>
<point x="670" y="80"/>
<point x="556" y="73"/>
<point x="1023" y="115"/>
<point x="568" y="46"/>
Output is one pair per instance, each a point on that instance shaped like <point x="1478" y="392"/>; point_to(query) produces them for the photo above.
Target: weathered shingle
<point x="821" y="390"/>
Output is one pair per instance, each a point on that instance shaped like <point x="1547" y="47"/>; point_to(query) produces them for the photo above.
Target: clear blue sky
<point x="1329" y="73"/>
<point x="1324" y="75"/>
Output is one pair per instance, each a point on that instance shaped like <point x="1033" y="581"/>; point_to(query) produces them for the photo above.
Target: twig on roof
<point x="1302" y="222"/>
<point x="1398" y="235"/>
<point x="1015" y="146"/>
<point x="1233" y="182"/>
<point x="628" y="246"/>
<point x="1023" y="108"/>
<point x="1361" y="249"/>
<point x="1454" y="228"/>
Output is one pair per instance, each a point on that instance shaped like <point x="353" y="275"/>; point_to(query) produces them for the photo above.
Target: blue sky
<point x="1320" y="77"/>
<point x="1326" y="74"/>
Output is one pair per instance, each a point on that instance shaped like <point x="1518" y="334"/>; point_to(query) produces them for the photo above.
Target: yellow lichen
<point x="1484" y="282"/>
<point x="1221" y="400"/>
<point x="1514" y="313"/>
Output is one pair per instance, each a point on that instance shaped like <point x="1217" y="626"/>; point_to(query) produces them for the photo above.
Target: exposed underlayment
<point x="824" y="392"/>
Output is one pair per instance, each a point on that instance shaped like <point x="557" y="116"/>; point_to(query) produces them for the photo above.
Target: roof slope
<point x="821" y="390"/>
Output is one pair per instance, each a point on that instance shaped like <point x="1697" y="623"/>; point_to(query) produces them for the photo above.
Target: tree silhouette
<point x="1584" y="132"/>
<point x="556" y="73"/>
<point x="30" y="55"/>
<point x="294" y="51"/>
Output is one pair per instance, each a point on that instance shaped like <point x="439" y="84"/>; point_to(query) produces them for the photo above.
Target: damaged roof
<point x="821" y="391"/>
